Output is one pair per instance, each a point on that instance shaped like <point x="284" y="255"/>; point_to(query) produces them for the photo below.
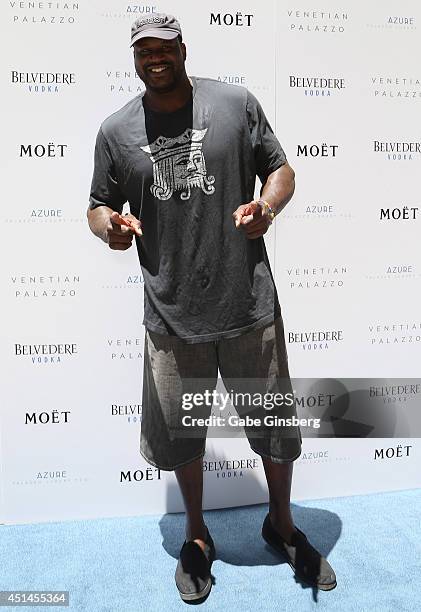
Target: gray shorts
<point x="255" y="361"/>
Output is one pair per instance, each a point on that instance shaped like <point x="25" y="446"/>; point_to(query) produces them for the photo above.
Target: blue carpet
<point x="127" y="564"/>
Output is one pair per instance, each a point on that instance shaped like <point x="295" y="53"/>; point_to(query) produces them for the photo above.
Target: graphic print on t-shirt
<point x="179" y="165"/>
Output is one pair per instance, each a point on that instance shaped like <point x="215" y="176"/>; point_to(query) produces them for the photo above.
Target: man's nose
<point x="156" y="57"/>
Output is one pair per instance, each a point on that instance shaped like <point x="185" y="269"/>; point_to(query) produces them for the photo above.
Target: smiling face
<point x="160" y="63"/>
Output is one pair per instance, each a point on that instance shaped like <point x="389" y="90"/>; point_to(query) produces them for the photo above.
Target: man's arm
<point x="279" y="188"/>
<point x="277" y="191"/>
<point x="106" y="201"/>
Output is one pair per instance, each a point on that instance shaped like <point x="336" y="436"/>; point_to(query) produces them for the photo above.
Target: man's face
<point x="159" y="63"/>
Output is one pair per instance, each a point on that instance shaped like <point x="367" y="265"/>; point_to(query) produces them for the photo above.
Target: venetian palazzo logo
<point x="383" y="334"/>
<point x="123" y="81"/>
<point x="125" y="348"/>
<point x="317" y="21"/>
<point x="179" y="165"/>
<point x="44" y="286"/>
<point x="320" y="277"/>
<point x="45" y="13"/>
<point x="396" y="87"/>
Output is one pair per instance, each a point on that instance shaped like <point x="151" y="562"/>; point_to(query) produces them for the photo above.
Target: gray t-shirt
<point x="203" y="278"/>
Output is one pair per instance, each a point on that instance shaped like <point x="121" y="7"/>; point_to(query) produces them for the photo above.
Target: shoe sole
<point x="322" y="587"/>
<point x="200" y="595"/>
<point x="204" y="591"/>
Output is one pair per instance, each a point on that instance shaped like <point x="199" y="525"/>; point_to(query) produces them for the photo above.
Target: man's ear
<point x="183" y="50"/>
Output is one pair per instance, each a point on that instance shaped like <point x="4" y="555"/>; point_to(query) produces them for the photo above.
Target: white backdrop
<point x="340" y="85"/>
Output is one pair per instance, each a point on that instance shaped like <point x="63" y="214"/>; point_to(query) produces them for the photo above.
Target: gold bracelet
<point x="267" y="209"/>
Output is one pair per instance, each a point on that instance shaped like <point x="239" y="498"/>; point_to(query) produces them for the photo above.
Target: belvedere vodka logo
<point x="395" y="394"/>
<point x="131" y="412"/>
<point x="42" y="13"/>
<point x="315" y="340"/>
<point x="45" y="353"/>
<point x="43" y="82"/>
<point x="230" y="468"/>
<point x="317" y="86"/>
<point x="317" y="21"/>
<point x="397" y="150"/>
<point x="179" y="165"/>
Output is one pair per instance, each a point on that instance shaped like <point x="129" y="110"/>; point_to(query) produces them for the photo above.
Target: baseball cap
<point x="157" y="25"/>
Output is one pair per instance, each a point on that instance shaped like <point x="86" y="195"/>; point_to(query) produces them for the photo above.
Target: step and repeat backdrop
<point x="341" y="86"/>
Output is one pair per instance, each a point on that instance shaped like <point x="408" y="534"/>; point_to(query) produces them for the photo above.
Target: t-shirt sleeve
<point x="268" y="152"/>
<point x="104" y="187"/>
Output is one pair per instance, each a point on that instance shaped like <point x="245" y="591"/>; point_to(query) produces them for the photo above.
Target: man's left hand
<point x="250" y="218"/>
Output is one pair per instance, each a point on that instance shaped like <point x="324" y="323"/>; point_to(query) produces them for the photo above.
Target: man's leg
<point x="279" y="478"/>
<point x="172" y="368"/>
<point x="190" y="480"/>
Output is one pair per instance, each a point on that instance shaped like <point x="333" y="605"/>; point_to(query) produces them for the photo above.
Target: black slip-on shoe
<point x="193" y="572"/>
<point x="305" y="560"/>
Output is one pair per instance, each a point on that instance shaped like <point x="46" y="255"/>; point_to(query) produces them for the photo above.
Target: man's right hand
<point x="120" y="231"/>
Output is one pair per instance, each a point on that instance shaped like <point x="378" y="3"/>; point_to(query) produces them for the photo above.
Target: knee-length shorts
<point x="254" y="371"/>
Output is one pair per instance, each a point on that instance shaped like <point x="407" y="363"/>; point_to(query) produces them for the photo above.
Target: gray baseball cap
<point x="157" y="25"/>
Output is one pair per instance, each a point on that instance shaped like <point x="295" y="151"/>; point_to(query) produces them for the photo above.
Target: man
<point x="185" y="155"/>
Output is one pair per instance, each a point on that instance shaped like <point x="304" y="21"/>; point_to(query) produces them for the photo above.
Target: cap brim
<point x="155" y="33"/>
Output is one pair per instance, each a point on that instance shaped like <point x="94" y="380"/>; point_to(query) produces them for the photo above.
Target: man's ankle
<point x="198" y="532"/>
